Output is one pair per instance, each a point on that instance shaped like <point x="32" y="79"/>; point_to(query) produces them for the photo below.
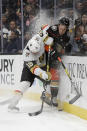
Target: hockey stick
<point x="76" y="97"/>
<point x="67" y="73"/>
<point x="43" y="95"/>
<point x="37" y="112"/>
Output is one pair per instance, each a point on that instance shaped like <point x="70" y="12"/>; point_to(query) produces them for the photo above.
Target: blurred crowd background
<point x="21" y="19"/>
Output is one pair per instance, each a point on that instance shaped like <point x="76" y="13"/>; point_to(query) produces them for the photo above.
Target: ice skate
<point x="13" y="109"/>
<point x="14" y="101"/>
<point x="54" y="102"/>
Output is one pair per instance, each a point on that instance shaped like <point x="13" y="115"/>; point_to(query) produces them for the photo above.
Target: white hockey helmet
<point x="35" y="44"/>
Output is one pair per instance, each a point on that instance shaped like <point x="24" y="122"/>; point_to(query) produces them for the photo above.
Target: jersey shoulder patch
<point x="54" y="28"/>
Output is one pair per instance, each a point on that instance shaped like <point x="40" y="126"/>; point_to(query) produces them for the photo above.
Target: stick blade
<point x="37" y="112"/>
<point x="74" y="99"/>
<point x="34" y="113"/>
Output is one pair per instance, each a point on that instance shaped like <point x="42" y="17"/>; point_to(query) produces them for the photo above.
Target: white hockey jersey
<point x="34" y="49"/>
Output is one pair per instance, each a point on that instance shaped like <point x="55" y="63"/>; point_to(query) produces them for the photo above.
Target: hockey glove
<point x="49" y="76"/>
<point x="42" y="74"/>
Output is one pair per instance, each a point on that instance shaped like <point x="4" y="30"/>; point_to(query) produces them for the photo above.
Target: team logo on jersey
<point x="54" y="28"/>
<point x="30" y="64"/>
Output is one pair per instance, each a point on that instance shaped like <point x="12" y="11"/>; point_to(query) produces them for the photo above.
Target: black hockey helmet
<point x="64" y="21"/>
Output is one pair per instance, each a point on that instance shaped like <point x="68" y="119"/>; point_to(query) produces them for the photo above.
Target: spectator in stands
<point x="5" y="26"/>
<point x="77" y="41"/>
<point x="63" y="13"/>
<point x="32" y="3"/>
<point x="7" y="13"/>
<point x="4" y="21"/>
<point x="31" y="10"/>
<point x="27" y="12"/>
<point x="80" y="41"/>
<point x="13" y="44"/>
<point x="84" y="19"/>
<point x="12" y="27"/>
<point x="79" y="6"/>
<point x="18" y="21"/>
<point x="9" y="35"/>
<point x="80" y="30"/>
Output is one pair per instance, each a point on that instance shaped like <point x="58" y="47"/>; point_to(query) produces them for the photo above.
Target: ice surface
<point x="49" y="120"/>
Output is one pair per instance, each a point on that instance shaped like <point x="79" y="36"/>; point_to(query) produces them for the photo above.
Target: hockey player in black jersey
<point x="60" y="46"/>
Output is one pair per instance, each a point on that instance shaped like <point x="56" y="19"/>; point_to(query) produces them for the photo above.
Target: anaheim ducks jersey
<point x="53" y="32"/>
<point x="59" y="45"/>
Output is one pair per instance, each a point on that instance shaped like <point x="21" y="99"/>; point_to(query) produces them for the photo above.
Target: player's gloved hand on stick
<point x="46" y="75"/>
<point x="42" y="74"/>
<point x="49" y="76"/>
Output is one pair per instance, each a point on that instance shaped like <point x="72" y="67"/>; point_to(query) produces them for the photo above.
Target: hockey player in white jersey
<point x="33" y="50"/>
